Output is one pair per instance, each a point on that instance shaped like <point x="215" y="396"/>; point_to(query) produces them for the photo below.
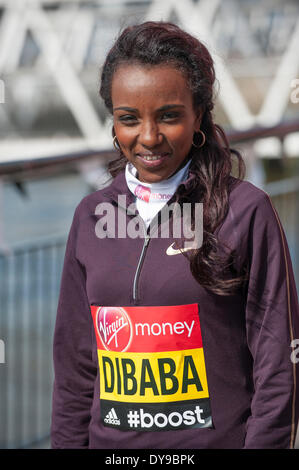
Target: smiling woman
<point x="159" y="345"/>
<point x="158" y="81"/>
<point x="154" y="119"/>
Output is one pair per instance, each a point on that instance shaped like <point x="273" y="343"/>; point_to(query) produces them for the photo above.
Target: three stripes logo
<point x="112" y="418"/>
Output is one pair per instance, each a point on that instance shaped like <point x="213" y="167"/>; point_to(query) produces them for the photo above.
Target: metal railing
<point x="30" y="279"/>
<point x="285" y="197"/>
<point x="25" y="168"/>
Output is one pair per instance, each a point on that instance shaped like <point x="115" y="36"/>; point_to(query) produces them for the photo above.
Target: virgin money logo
<point x="142" y="192"/>
<point x="114" y="328"/>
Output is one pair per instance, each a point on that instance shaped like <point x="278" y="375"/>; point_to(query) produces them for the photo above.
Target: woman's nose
<point x="150" y="135"/>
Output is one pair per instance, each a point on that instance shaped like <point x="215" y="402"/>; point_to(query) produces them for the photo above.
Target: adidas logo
<point x="111" y="417"/>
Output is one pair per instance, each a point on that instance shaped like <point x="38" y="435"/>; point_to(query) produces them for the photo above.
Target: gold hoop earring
<point x="117" y="147"/>
<point x="203" y="140"/>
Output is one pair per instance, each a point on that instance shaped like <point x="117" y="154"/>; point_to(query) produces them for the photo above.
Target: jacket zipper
<point x="141" y="258"/>
<point x="139" y="266"/>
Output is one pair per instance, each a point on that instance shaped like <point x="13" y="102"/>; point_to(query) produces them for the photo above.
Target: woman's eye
<point x="128" y="118"/>
<point x="169" y="116"/>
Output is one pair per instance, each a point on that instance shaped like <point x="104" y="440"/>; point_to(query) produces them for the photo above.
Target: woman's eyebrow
<point x="163" y="108"/>
<point x="126" y="108"/>
<point x="170" y="106"/>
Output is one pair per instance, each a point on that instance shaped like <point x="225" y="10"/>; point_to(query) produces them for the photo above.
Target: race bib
<point x="152" y="368"/>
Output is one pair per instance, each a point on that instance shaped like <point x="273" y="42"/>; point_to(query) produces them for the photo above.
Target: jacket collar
<point x="119" y="187"/>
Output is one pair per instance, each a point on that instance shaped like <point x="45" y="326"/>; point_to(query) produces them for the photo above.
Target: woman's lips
<point x="152" y="160"/>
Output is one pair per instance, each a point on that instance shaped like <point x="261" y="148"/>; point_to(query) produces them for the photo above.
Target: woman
<point x="159" y="343"/>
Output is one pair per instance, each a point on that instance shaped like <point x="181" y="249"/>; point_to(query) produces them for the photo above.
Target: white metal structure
<point x="48" y="45"/>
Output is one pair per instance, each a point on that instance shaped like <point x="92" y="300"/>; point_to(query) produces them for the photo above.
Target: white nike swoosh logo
<point x="172" y="251"/>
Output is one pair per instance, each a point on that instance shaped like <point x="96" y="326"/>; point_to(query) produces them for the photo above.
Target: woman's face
<point x="154" y="118"/>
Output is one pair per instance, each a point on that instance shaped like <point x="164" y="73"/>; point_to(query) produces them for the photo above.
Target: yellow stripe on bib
<point x="152" y="377"/>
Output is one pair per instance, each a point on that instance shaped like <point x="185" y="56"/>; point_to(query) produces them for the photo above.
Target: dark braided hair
<point x="154" y="43"/>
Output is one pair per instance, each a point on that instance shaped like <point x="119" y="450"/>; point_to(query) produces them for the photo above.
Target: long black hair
<point x="154" y="43"/>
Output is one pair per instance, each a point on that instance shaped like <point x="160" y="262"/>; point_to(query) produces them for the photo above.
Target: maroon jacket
<point x="195" y="369"/>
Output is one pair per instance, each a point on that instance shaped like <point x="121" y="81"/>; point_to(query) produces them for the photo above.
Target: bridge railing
<point x="30" y="278"/>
